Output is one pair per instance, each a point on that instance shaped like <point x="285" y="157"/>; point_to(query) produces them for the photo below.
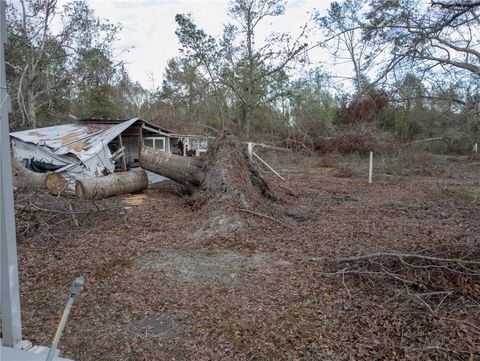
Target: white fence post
<point x="250" y="149"/>
<point x="370" y="168"/>
<point x="475" y="148"/>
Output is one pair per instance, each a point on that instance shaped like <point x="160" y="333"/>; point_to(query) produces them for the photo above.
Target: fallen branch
<point x="400" y="256"/>
<point x="263" y="215"/>
<point x="75" y="220"/>
<point x="423" y="141"/>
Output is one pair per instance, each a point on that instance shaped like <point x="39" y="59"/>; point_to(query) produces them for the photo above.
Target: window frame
<point x="154" y="141"/>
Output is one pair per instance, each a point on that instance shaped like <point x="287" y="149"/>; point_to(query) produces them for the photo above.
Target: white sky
<point x="148" y="37"/>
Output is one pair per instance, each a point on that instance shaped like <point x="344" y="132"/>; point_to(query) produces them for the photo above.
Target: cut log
<point x="24" y="179"/>
<point x="184" y="170"/>
<point x="111" y="185"/>
<point x="55" y="183"/>
<point x="22" y="182"/>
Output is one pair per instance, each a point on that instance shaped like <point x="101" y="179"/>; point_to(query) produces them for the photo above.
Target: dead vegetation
<point x="354" y="271"/>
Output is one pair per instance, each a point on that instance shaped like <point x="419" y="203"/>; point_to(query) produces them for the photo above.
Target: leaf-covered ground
<point x="270" y="292"/>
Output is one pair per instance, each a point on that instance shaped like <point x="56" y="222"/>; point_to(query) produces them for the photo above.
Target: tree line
<point x="402" y="69"/>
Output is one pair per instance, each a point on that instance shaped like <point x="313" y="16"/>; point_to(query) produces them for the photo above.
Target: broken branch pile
<point x="43" y="216"/>
<point x="444" y="285"/>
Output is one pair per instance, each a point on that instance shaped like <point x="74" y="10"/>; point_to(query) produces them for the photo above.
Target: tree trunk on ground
<point x="227" y="171"/>
<point x="111" y="185"/>
<point x="24" y="179"/>
<point x="184" y="170"/>
<point x="224" y="183"/>
<point x="55" y="183"/>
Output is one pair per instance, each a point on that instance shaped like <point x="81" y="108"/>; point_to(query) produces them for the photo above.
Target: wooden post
<point x="167" y="145"/>
<point x="123" y="161"/>
<point x="10" y="293"/>
<point x="268" y="166"/>
<point x="140" y="141"/>
<point x="370" y="168"/>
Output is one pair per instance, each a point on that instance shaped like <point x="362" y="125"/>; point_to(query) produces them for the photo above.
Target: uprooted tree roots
<point x="225" y="183"/>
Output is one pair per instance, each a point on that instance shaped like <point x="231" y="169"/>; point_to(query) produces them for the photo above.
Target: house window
<point x="160" y="144"/>
<point x="157" y="143"/>
<point x="148" y="143"/>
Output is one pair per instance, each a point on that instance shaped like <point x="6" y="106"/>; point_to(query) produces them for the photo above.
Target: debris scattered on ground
<point x="292" y="295"/>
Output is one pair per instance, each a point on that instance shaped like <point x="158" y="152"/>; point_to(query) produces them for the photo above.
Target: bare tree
<point x="41" y="60"/>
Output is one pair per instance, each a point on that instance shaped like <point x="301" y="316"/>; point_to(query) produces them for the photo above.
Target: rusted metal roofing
<point x="81" y="140"/>
<point x="117" y="121"/>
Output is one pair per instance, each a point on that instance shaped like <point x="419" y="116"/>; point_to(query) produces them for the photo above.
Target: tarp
<point x="77" y="150"/>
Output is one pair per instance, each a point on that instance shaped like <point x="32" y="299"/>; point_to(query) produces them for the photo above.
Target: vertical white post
<point x="10" y="295"/>
<point x="475" y="148"/>
<point x="250" y="149"/>
<point x="370" y="168"/>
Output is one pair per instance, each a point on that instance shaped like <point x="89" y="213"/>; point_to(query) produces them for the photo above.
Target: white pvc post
<point x="475" y="148"/>
<point x="250" y="149"/>
<point x="370" y="168"/>
<point x="10" y="295"/>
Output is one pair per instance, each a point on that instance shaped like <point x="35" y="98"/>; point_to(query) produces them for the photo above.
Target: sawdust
<point x="134" y="199"/>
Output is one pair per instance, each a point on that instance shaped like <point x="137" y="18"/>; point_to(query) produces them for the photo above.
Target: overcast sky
<point x="148" y="37"/>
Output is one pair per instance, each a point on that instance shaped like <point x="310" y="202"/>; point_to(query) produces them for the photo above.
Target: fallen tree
<point x="111" y="185"/>
<point x="24" y="179"/>
<point x="184" y="170"/>
<point x="227" y="171"/>
<point x="225" y="180"/>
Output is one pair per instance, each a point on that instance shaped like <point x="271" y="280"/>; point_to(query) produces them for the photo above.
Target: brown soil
<point x="269" y="292"/>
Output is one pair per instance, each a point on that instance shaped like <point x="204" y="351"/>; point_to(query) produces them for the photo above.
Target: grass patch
<point x="475" y="194"/>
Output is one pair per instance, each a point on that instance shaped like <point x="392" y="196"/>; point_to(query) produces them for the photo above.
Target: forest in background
<point x="414" y="71"/>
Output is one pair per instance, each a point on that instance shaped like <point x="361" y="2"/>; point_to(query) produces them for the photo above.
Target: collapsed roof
<point x="77" y="150"/>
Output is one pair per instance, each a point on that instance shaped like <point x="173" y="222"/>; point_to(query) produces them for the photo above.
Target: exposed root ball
<point x="232" y="179"/>
<point x="231" y="182"/>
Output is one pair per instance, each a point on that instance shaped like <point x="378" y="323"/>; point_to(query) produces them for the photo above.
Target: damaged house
<point x="95" y="148"/>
